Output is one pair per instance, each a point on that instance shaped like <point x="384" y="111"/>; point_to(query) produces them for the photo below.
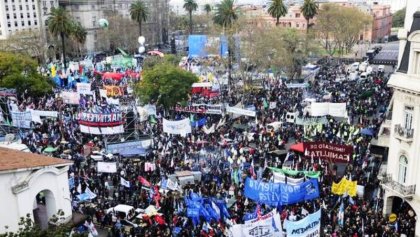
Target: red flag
<point x="144" y="182"/>
<point x="159" y="220"/>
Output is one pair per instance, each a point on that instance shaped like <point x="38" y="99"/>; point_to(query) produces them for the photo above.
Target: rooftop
<point x="15" y="160"/>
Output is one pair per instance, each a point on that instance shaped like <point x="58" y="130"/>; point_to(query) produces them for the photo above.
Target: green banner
<point x="308" y="174"/>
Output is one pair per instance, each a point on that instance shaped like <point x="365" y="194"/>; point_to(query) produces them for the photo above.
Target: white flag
<point x="125" y="182"/>
<point x="90" y="194"/>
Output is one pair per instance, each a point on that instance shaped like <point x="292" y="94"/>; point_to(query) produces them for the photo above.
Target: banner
<point x="116" y="148"/>
<point x="308" y="174"/>
<point x="333" y="109"/>
<point x="181" y="127"/>
<point x="344" y="186"/>
<point x="200" y="109"/>
<point x="239" y="111"/>
<point x="102" y="130"/>
<point x="70" y="97"/>
<point x="281" y="178"/>
<point x="275" y="194"/>
<point x="107" y="167"/>
<point x="328" y="151"/>
<point x="100" y="119"/>
<point x="21" y="119"/>
<point x="83" y="88"/>
<point x="114" y="90"/>
<point x="297" y="85"/>
<point x="37" y="114"/>
<point x="307" y="227"/>
<point x="268" y="225"/>
<point x="310" y="121"/>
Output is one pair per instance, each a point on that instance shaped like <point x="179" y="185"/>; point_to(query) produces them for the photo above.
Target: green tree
<point x="190" y="6"/>
<point x="60" y="23"/>
<point x="166" y="84"/>
<point x="207" y="8"/>
<point x="79" y="34"/>
<point x="225" y="16"/>
<point x="309" y="10"/>
<point x="20" y="72"/>
<point x="171" y="59"/>
<point x="139" y="13"/>
<point x="398" y="18"/>
<point x="277" y="9"/>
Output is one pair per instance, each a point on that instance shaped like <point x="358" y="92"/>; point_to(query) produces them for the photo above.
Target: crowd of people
<point x="238" y="148"/>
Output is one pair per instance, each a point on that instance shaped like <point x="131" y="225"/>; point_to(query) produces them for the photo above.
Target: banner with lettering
<point x="114" y="90"/>
<point x="70" y="97"/>
<point x="239" y="111"/>
<point x="21" y="119"/>
<point x="268" y="225"/>
<point x="344" y="186"/>
<point x="200" y="109"/>
<point x="328" y="151"/>
<point x="102" y="130"/>
<point x="307" y="227"/>
<point x="37" y="114"/>
<point x="181" y="127"/>
<point x="100" y="119"/>
<point x="107" y="167"/>
<point x="332" y="109"/>
<point x="275" y="194"/>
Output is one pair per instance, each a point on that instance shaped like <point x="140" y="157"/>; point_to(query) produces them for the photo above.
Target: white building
<point x="25" y="175"/>
<point x="19" y="15"/>
<point x="401" y="182"/>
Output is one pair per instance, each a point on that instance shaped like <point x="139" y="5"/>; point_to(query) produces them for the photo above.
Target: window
<point x="297" y="15"/>
<point x="14" y="7"/>
<point x="29" y="23"/>
<point x="20" y="7"/>
<point x="35" y="22"/>
<point x="417" y="63"/>
<point x="34" y="14"/>
<point x="33" y="7"/>
<point x="8" y="24"/>
<point x="408" y="117"/>
<point x="44" y="3"/>
<point x="7" y="8"/>
<point x="23" y="23"/>
<point x="28" y="15"/>
<point x="297" y="25"/>
<point x="14" y="16"/>
<point x="94" y="21"/>
<point x="402" y="172"/>
<point x="27" y="7"/>
<point x="51" y="3"/>
<point x="8" y="16"/>
<point x="16" y="24"/>
<point x="93" y="7"/>
<point x="21" y="15"/>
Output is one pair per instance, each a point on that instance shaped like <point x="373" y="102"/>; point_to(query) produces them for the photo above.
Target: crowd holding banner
<point x="238" y="175"/>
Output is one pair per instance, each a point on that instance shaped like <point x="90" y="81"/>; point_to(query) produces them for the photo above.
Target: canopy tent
<point x="297" y="147"/>
<point x="133" y="152"/>
<point x="112" y="75"/>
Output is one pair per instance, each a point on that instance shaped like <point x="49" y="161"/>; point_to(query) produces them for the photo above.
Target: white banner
<point x="281" y="178"/>
<point x="70" y="97"/>
<point x="297" y="85"/>
<point x="107" y="167"/>
<point x="333" y="109"/>
<point x="181" y="127"/>
<point x="172" y="185"/>
<point x="102" y="130"/>
<point x="83" y="88"/>
<point x="36" y="115"/>
<point x="273" y="105"/>
<point x="239" y="111"/>
<point x="21" y="119"/>
<point x="267" y="226"/>
<point x="308" y="226"/>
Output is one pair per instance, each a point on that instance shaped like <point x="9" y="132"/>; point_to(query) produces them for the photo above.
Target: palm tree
<point x="225" y="15"/>
<point x="309" y="9"/>
<point x="277" y="9"/>
<point x="190" y="6"/>
<point x="139" y="12"/>
<point x="60" y="23"/>
<point x="207" y="8"/>
<point x="79" y="34"/>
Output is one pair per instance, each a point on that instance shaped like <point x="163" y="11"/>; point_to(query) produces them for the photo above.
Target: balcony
<point x="403" y="133"/>
<point x="405" y="191"/>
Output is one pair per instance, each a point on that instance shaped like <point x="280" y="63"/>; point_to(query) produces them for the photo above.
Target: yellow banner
<point x="344" y="186"/>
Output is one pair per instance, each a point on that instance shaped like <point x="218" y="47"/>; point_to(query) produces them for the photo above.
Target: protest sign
<point x="107" y="167"/>
<point x="102" y="130"/>
<point x="328" y="151"/>
<point x="70" y="97"/>
<point x="83" y="88"/>
<point x="268" y="225"/>
<point x="181" y="127"/>
<point x="274" y="194"/>
<point x="332" y="109"/>
<point x="344" y="186"/>
<point x="21" y="119"/>
<point x="100" y="119"/>
<point x="239" y="111"/>
<point x="200" y="109"/>
<point x="308" y="226"/>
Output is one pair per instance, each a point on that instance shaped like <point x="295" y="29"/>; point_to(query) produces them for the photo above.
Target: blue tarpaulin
<point x="197" y="46"/>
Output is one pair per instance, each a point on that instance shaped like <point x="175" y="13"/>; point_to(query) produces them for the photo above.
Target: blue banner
<point x="199" y="123"/>
<point x="308" y="226"/>
<point x="275" y="194"/>
<point x="197" y="46"/>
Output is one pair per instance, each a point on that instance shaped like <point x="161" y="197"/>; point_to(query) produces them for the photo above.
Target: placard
<point x="239" y="111"/>
<point x="308" y="226"/>
<point x="107" y="167"/>
<point x="83" y="88"/>
<point x="21" y="119"/>
<point x="181" y="127"/>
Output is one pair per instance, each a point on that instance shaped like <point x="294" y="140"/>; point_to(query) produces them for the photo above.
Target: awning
<point x="297" y="147"/>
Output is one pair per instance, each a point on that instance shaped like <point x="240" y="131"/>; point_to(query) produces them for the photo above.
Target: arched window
<point x="402" y="172"/>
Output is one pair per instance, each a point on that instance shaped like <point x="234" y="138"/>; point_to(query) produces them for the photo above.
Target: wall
<point x="14" y="206"/>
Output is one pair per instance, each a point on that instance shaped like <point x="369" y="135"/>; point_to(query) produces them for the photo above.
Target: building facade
<point x="401" y="129"/>
<point x="21" y="15"/>
<point x="88" y="13"/>
<point x="32" y="184"/>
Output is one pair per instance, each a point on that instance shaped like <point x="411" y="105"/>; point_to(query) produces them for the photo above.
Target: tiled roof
<point x="14" y="159"/>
